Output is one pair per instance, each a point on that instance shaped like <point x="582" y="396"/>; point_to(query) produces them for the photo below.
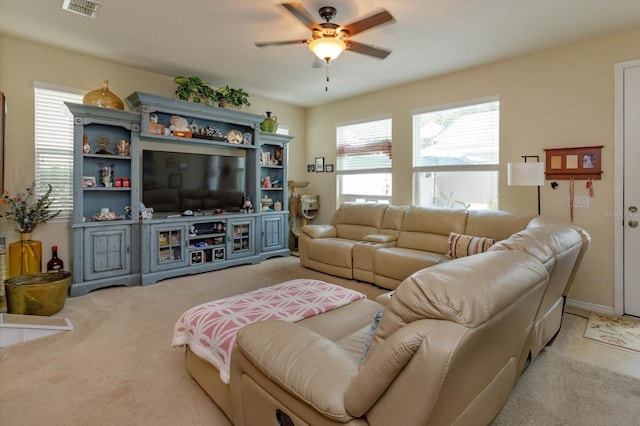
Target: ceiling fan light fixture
<point x="327" y="49"/>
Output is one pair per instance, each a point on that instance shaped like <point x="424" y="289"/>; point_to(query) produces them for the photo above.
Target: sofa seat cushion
<point x="331" y="251"/>
<point x="398" y="263"/>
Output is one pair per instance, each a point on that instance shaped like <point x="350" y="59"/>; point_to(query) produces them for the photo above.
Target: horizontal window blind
<point x="54" y="146"/>
<point x="466" y="135"/>
<point x="364" y="146"/>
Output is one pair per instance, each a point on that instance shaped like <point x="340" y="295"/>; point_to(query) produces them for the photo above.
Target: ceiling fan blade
<point x="367" y="49"/>
<point x="367" y="23"/>
<point x="297" y="10"/>
<point x="279" y="43"/>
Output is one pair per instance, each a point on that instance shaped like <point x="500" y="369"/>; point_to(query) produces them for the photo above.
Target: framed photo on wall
<point x="319" y="165"/>
<point x="311" y="168"/>
<point x="328" y="168"/>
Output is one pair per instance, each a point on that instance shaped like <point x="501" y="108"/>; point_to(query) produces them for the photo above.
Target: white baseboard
<point x="601" y="309"/>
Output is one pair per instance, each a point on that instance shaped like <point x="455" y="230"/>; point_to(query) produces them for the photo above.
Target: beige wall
<point x="559" y="98"/>
<point x="22" y="63"/>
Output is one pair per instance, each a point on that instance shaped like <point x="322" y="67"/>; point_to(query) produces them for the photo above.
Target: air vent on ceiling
<point x="81" y="7"/>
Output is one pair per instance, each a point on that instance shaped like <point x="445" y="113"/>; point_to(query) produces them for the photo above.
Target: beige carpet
<point x="614" y="330"/>
<point x="117" y="367"/>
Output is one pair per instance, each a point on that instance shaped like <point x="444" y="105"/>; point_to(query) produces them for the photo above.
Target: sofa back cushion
<point x="558" y="247"/>
<point x="355" y="220"/>
<point x="495" y="224"/>
<point x="392" y="220"/>
<point x="428" y="228"/>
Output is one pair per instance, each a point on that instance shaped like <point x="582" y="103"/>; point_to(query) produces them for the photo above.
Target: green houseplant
<point x="195" y="90"/>
<point x="232" y="98"/>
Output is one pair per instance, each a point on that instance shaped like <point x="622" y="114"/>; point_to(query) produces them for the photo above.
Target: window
<point x="455" y="156"/>
<point x="364" y="161"/>
<point x="54" y="144"/>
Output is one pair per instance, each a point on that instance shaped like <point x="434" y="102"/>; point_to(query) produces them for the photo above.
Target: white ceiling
<point x="214" y="39"/>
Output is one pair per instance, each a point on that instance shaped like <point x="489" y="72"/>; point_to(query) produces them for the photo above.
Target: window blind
<point x="466" y="135"/>
<point x="54" y="146"/>
<point x="364" y="146"/>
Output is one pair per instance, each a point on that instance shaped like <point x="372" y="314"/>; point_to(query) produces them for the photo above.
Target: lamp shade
<point x="525" y="174"/>
<point x="327" y="49"/>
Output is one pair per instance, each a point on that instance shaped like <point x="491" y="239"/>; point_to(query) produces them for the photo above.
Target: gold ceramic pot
<point x="103" y="97"/>
<point x="37" y="294"/>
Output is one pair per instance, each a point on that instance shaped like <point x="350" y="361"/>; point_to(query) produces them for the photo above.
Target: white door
<point x="631" y="190"/>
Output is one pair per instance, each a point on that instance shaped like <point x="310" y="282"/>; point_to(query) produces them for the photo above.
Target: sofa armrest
<point x="379" y="238"/>
<point x="320" y="231"/>
<point x="302" y="362"/>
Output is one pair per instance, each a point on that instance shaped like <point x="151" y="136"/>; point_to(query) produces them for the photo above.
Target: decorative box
<point x="156" y="128"/>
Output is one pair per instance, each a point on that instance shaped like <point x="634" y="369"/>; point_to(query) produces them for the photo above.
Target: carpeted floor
<point x="117" y="367"/>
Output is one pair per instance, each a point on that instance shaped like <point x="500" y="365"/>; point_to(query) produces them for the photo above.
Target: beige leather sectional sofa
<point x="383" y="245"/>
<point x="449" y="346"/>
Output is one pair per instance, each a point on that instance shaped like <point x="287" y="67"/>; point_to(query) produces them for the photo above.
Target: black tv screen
<point x="179" y="181"/>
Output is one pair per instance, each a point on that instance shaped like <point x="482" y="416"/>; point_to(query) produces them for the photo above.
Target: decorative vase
<point x="103" y="97"/>
<point x="37" y="294"/>
<point x="25" y="256"/>
<point x="269" y="124"/>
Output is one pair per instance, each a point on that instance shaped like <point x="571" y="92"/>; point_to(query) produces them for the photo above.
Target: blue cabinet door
<point x="107" y="252"/>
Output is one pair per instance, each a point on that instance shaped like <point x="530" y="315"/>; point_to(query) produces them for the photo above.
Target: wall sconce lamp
<point x="526" y="174"/>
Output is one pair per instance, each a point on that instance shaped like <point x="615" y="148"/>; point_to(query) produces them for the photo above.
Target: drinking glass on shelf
<point x="106" y="174"/>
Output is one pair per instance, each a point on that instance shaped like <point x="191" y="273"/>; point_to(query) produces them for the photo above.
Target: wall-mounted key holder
<point x="582" y="163"/>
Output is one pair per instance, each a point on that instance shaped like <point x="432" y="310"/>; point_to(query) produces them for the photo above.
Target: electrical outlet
<point x="581" y="202"/>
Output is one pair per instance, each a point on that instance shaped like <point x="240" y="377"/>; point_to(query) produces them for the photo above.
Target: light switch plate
<point x="581" y="202"/>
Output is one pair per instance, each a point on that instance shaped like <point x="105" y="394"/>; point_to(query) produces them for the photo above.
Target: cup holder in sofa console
<point x="283" y="419"/>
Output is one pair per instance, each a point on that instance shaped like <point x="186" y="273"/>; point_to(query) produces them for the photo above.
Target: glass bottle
<point x="55" y="264"/>
<point x="86" y="146"/>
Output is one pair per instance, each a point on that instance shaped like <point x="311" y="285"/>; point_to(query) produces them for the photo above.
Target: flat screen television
<point x="179" y="181"/>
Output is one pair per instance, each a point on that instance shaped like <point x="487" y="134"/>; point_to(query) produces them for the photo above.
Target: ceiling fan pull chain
<point x="326" y="84"/>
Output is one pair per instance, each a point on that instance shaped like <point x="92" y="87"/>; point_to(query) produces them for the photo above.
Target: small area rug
<point x="614" y="330"/>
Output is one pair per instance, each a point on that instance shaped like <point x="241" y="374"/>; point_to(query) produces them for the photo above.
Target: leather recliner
<point x="446" y="351"/>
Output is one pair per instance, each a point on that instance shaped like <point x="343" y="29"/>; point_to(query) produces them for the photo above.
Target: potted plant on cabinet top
<point x="195" y="90"/>
<point x="232" y="98"/>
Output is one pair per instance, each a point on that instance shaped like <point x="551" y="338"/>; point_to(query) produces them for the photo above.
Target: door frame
<point x="618" y="185"/>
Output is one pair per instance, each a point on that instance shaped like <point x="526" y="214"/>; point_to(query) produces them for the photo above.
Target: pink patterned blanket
<point x="210" y="329"/>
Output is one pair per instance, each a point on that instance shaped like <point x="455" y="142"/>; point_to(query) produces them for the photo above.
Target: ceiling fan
<point x="329" y="40"/>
